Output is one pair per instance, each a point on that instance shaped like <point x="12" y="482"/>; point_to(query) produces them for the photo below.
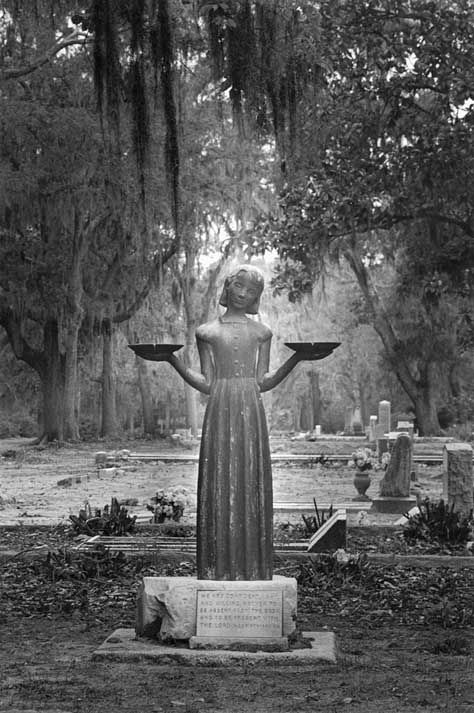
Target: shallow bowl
<point x="313" y="349"/>
<point x="154" y="352"/>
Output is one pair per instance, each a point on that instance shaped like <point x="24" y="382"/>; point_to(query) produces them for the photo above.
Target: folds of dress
<point x="235" y="504"/>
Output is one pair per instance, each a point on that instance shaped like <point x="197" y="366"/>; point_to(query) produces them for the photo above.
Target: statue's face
<point x="242" y="291"/>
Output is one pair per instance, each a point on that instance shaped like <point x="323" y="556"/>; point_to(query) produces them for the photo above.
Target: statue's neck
<point x="234" y="316"/>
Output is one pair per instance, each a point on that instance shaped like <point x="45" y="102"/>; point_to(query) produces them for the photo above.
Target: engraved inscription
<point x="238" y="613"/>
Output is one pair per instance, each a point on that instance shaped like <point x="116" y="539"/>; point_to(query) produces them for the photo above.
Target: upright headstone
<point x="395" y="485"/>
<point x="357" y="425"/>
<point x="384" y="417"/>
<point x="457" y="477"/>
<point x="373" y="429"/>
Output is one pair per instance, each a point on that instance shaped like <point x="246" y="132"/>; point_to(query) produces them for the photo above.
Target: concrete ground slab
<point x="123" y="645"/>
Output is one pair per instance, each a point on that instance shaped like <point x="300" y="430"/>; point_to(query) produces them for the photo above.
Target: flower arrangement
<point x="168" y="505"/>
<point x="363" y="459"/>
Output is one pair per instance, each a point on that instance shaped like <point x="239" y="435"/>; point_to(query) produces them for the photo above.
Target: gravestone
<point x="457" y="477"/>
<point x="406" y="426"/>
<point x="384" y="417"/>
<point x="373" y="429"/>
<point x="395" y="485"/>
<point x="332" y="535"/>
<point x="357" y="426"/>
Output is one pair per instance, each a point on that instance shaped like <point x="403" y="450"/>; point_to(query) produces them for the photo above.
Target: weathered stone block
<point x="279" y="643"/>
<point x="167" y="606"/>
<point x="332" y="535"/>
<point x="457" y="477"/>
<point x="393" y="505"/>
<point x="384" y="419"/>
<point x="396" y="482"/>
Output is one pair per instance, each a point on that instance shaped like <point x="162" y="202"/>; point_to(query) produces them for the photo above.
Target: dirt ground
<point x="46" y="665"/>
<point x="30" y="494"/>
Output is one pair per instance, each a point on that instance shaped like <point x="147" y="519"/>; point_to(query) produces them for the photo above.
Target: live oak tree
<point x="77" y="253"/>
<point x="384" y="172"/>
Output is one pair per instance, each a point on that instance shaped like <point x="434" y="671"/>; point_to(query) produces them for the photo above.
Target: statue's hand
<point x="161" y="356"/>
<point x="314" y="357"/>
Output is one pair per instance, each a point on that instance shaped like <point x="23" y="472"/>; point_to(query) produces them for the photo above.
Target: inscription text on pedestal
<point x="236" y="613"/>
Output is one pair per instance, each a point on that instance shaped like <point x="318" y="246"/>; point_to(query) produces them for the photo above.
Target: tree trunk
<point x="425" y="403"/>
<point x="420" y="391"/>
<point x="145" y="393"/>
<point x="130" y="424"/>
<point x="363" y="400"/>
<point x="71" y="426"/>
<point x="109" y="414"/>
<point x="296" y="409"/>
<point x="52" y="376"/>
<point x="74" y="316"/>
<point x="315" y="398"/>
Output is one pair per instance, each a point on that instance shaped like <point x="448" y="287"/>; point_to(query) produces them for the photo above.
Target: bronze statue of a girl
<point x="235" y="504"/>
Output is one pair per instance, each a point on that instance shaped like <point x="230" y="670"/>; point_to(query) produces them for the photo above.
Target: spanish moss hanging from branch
<point x="107" y="69"/>
<point x="166" y="59"/>
<point x="127" y="35"/>
<point x="260" y="52"/>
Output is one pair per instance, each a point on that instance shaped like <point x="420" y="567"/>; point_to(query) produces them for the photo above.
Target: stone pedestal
<point x="457" y="477"/>
<point x="218" y="614"/>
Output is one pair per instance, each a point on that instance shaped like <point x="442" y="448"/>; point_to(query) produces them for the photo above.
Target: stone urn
<point x="361" y="483"/>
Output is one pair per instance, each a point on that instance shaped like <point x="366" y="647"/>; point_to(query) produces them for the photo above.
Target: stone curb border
<point x="76" y="479"/>
<point x="388" y="560"/>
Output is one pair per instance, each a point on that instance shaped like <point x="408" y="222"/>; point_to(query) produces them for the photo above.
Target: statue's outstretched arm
<point x="200" y="381"/>
<point x="269" y="379"/>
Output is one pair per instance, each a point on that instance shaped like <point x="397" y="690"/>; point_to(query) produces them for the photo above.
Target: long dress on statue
<point x="235" y="504"/>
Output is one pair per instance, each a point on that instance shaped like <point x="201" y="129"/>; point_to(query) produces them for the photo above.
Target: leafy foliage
<point x="381" y="182"/>
<point x="113" y="520"/>
<point x="314" y="522"/>
<point x="354" y="589"/>
<point x="438" y="521"/>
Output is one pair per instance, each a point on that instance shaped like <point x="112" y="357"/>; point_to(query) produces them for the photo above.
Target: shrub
<point x="437" y="521"/>
<point x="113" y="520"/>
<point x="312" y="523"/>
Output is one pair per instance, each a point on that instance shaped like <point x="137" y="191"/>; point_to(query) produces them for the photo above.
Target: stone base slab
<point x="167" y="606"/>
<point x="393" y="505"/>
<point x="209" y="643"/>
<point x="124" y="645"/>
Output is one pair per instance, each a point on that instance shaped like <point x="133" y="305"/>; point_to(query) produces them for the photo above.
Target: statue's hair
<point x="255" y="275"/>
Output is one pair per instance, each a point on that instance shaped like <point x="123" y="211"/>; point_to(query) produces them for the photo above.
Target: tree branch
<point x="77" y="37"/>
<point x="21" y="348"/>
<point x="439" y="217"/>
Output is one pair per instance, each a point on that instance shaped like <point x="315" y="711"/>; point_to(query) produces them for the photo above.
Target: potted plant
<point x="168" y="506"/>
<point x="363" y="459"/>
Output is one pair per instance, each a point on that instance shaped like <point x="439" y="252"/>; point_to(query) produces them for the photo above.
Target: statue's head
<point x="252" y="273"/>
